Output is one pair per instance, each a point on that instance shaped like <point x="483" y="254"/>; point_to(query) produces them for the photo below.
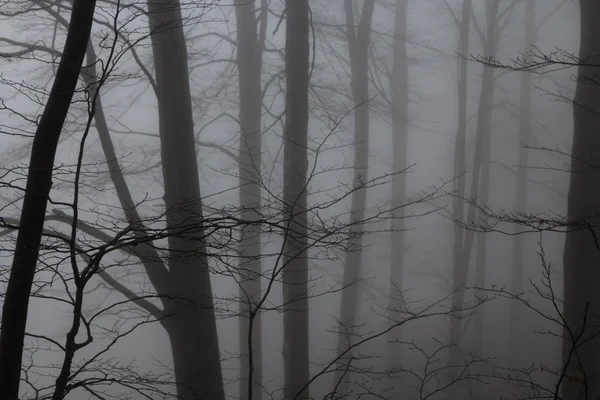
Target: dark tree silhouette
<point x="191" y="325"/>
<point x="295" y="275"/>
<point x="39" y="183"/>
<point x="581" y="273"/>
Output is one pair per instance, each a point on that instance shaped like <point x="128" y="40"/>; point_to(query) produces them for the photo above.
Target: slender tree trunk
<point x="581" y="254"/>
<point x="358" y="43"/>
<point x="525" y="131"/>
<point x="191" y="325"/>
<point x="295" y="276"/>
<point x="484" y="134"/>
<point x="399" y="111"/>
<point x="460" y="267"/>
<point x="250" y="44"/>
<point x="39" y="184"/>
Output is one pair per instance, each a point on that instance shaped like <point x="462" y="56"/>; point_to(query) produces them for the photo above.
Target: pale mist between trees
<point x="300" y="199"/>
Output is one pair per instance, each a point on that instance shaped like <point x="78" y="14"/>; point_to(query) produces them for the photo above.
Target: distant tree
<point x="251" y="36"/>
<point x="480" y="175"/>
<point x="358" y="33"/>
<point x="460" y="268"/>
<point x="39" y="184"/>
<point x="522" y="187"/>
<point x="577" y="313"/>
<point x="399" y="111"/>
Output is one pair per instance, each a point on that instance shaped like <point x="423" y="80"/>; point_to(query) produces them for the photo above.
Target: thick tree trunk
<point x="358" y="43"/>
<point x="39" y="184"/>
<point x="460" y="267"/>
<point x="399" y="111"/>
<point x="295" y="274"/>
<point x="581" y="255"/>
<point x="525" y="132"/>
<point x="183" y="337"/>
<point x="186" y="323"/>
<point x="191" y="325"/>
<point x="250" y="44"/>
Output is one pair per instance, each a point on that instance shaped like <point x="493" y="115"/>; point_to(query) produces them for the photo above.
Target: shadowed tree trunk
<point x="460" y="267"/>
<point x="39" y="184"/>
<point x="295" y="274"/>
<point x="358" y="45"/>
<point x="581" y="255"/>
<point x="399" y="111"/>
<point x="191" y="325"/>
<point x="250" y="45"/>
<point x="525" y="131"/>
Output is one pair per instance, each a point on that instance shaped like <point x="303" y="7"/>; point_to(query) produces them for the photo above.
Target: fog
<point x="323" y="207"/>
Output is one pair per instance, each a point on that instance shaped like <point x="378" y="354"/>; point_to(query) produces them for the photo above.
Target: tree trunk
<point x="525" y="132"/>
<point x="184" y="343"/>
<point x="484" y="134"/>
<point x="250" y="44"/>
<point x="39" y="184"/>
<point x="399" y="111"/>
<point x="191" y="325"/>
<point x="581" y="254"/>
<point x="460" y="267"/>
<point x="358" y="43"/>
<point x="295" y="273"/>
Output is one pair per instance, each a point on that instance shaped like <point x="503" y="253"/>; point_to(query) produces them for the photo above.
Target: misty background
<point x="415" y="360"/>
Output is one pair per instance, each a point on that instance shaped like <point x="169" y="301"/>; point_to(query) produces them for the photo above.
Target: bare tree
<point x="186" y="278"/>
<point x="191" y="324"/>
<point x="192" y="329"/>
<point x="39" y="184"/>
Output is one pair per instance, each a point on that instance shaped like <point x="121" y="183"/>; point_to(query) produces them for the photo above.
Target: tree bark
<point x="358" y="38"/>
<point x="581" y="253"/>
<point x="295" y="274"/>
<point x="250" y="45"/>
<point x="521" y="191"/>
<point x="39" y="184"/>
<point x="191" y="325"/>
